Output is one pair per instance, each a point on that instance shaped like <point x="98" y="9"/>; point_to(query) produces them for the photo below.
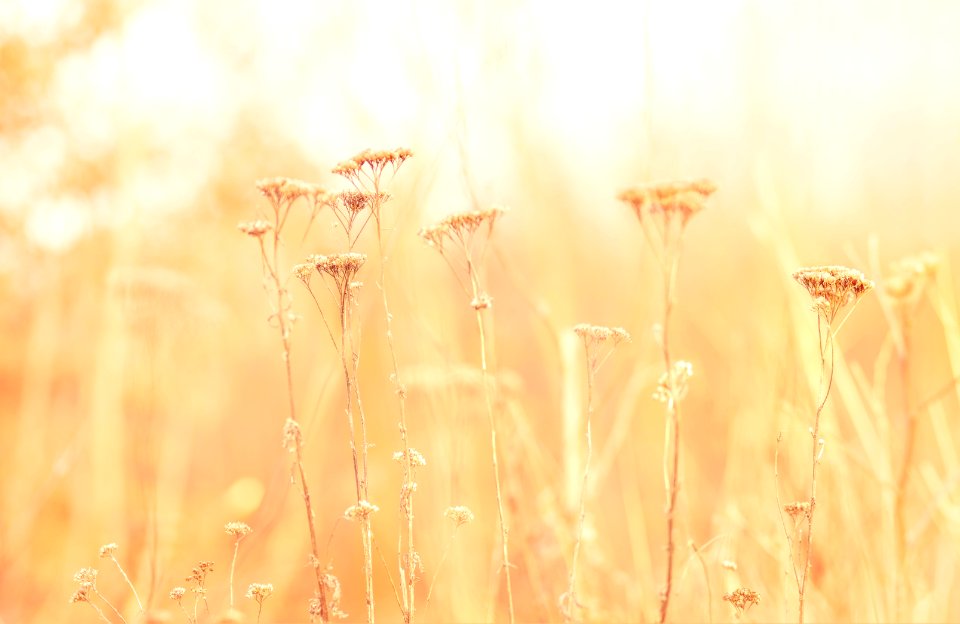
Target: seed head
<point x="256" y="229"/>
<point x="673" y="387"/>
<point x="237" y="529"/>
<point x="360" y="511"/>
<point x="82" y="594"/>
<point x="259" y="591"/>
<point x="797" y="510"/>
<point x="460" y="515"/>
<point x="595" y="334"/>
<point x="681" y="199"/>
<point x="107" y="550"/>
<point x="832" y="287"/>
<point x="416" y="458"/>
<point x="86" y="575"/>
<point x="177" y="593"/>
<point x="286" y="190"/>
<point x="742" y="599"/>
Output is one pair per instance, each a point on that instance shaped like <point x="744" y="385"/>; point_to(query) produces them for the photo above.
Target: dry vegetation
<point x="384" y="397"/>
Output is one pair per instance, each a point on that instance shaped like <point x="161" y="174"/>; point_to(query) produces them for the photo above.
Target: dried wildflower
<point x="461" y="227"/>
<point x="742" y="599"/>
<point x="481" y="302"/>
<point x="673" y="387"/>
<point x="832" y="288"/>
<point x="797" y="510"/>
<point x="374" y="161"/>
<point x="259" y="591"/>
<point x="237" y="529"/>
<point x="86" y="575"/>
<point x="177" y="593"/>
<point x="303" y="272"/>
<point x="256" y="229"/>
<point x="107" y="550"/>
<point x="360" y="511"/>
<point x="286" y="190"/>
<point x="599" y="333"/>
<point x="679" y="198"/>
<point x="82" y="594"/>
<point x="199" y="573"/>
<point x="341" y="267"/>
<point x="727" y="564"/>
<point x="460" y="515"/>
<point x="416" y="458"/>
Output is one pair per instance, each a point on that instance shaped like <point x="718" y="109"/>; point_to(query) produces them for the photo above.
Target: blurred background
<point x="142" y="393"/>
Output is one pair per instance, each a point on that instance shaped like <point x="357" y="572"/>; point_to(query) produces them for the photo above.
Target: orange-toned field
<point x="452" y="215"/>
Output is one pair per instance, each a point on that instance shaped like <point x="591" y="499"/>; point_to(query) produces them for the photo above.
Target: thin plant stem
<point x="493" y="446"/>
<point x="908" y="449"/>
<point x="407" y="572"/>
<point x="571" y="587"/>
<point x="233" y="567"/>
<point x="706" y="580"/>
<point x="127" y="579"/>
<point x="672" y="439"/>
<point x="826" y="344"/>
<point x="101" y="614"/>
<point x="443" y="558"/>
<point x="109" y="604"/>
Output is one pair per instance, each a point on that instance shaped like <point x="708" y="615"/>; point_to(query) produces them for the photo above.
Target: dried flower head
<point x="460" y="515"/>
<point x="199" y="573"/>
<point x="832" y="287"/>
<point x="742" y="599"/>
<point x="286" y="190"/>
<point x="461" y="227"/>
<point x="341" y="267"/>
<point x="416" y="458"/>
<point x="680" y="199"/>
<point x="86" y="576"/>
<point x="673" y="387"/>
<point x="360" y="511"/>
<point x="727" y="564"/>
<point x="259" y="591"/>
<point x="107" y="550"/>
<point x="237" y="529"/>
<point x="598" y="333"/>
<point x="374" y="160"/>
<point x="797" y="510"/>
<point x="256" y="228"/>
<point x="82" y="594"/>
<point x="177" y="593"/>
<point x="303" y="272"/>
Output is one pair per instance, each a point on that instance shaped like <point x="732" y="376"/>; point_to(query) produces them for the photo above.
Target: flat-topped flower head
<point x="599" y="333"/>
<point x="680" y="198"/>
<point x="832" y="287"/>
<point x="459" y="515"/>
<point x="416" y="458"/>
<point x="364" y="169"/>
<point x="86" y="575"/>
<point x="742" y="599"/>
<point x="461" y="226"/>
<point x="286" y="190"/>
<point x="797" y="510"/>
<point x="255" y="229"/>
<point x="107" y="550"/>
<point x="237" y="529"/>
<point x="260" y="591"/>
<point x="342" y="267"/>
<point x="360" y="511"/>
